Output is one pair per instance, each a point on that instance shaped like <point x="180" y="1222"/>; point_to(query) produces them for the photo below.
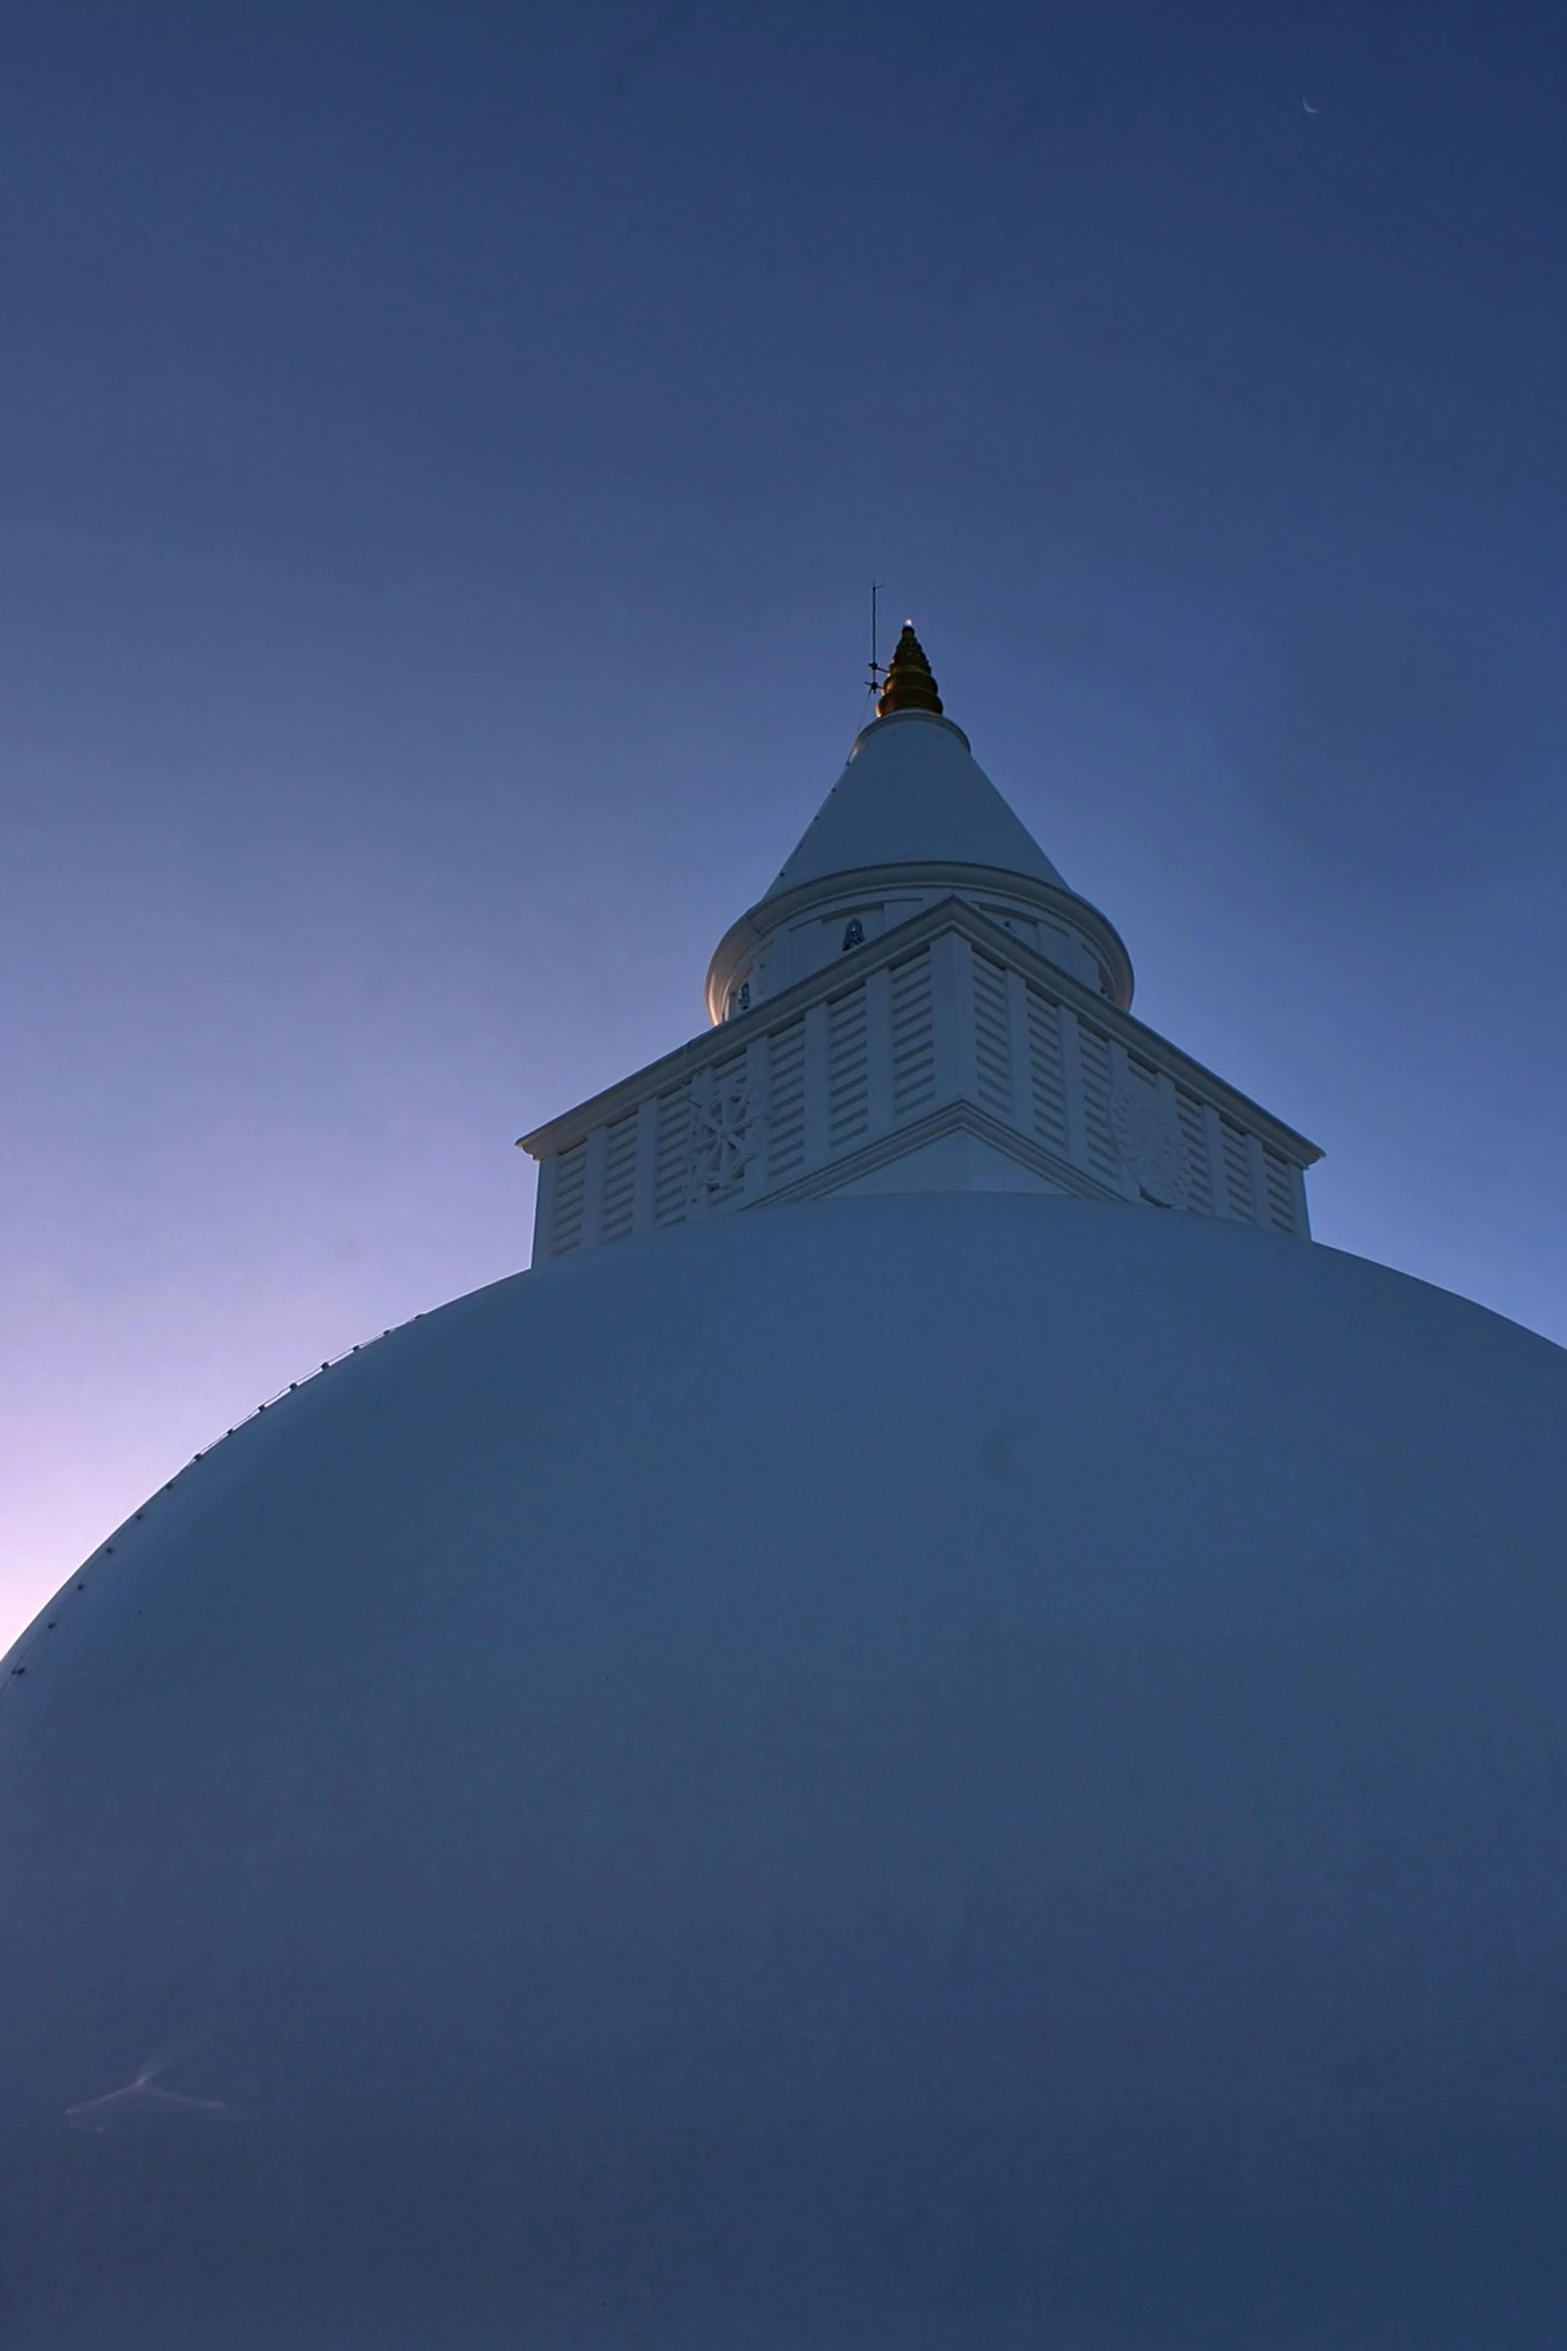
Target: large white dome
<point x="943" y="1771"/>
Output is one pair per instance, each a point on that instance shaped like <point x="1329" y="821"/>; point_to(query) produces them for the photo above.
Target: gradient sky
<point x="444" y="450"/>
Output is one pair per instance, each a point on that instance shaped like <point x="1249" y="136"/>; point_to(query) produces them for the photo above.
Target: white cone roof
<point x="912" y="793"/>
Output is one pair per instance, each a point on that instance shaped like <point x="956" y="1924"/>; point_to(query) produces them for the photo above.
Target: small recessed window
<point x="853" y="934"/>
<point x="740" y="999"/>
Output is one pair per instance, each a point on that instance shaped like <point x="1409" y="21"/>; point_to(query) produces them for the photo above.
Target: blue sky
<point x="443" y="454"/>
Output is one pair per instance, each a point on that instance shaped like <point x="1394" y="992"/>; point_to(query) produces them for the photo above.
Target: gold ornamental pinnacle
<point x="909" y="684"/>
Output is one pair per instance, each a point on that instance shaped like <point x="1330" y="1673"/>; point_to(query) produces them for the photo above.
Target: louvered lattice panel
<point x="1281" y="1192"/>
<point x="1194" y="1133"/>
<point x="1237" y="1171"/>
<point x="786" y="1100"/>
<point x="848" y="1102"/>
<point x="1047" y="1081"/>
<point x="913" y="1036"/>
<point x="620" y="1178"/>
<point x="720" y="1134"/>
<point x="992" y="1037"/>
<point x="672" y="1162"/>
<point x="1094" y="1053"/>
<point x="570" y="1182"/>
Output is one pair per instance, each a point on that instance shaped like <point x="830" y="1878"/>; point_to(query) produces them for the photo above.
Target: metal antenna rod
<point x="876" y="587"/>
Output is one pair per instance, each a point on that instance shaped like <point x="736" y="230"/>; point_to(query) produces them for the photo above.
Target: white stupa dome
<point x="971" y="1768"/>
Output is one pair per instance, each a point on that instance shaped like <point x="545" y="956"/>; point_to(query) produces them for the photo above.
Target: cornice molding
<point x="760" y="921"/>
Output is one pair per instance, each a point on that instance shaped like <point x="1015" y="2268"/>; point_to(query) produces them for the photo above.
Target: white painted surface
<point x="912" y="793"/>
<point x="947" y="1771"/>
<point x="958" y="1161"/>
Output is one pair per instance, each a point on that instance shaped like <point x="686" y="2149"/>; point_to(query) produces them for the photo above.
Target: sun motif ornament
<point x="727" y="1119"/>
<point x="1149" y="1139"/>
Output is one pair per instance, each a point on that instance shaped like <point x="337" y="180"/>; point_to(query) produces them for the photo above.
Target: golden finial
<point x="909" y="685"/>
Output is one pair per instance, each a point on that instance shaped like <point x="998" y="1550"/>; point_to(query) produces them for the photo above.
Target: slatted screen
<point x="620" y="1178"/>
<point x="1236" y="1146"/>
<point x="1047" y="1077"/>
<point x="786" y="1100"/>
<point x="848" y="1092"/>
<point x="1281" y="1192"/>
<point x="913" y="1036"/>
<point x="992" y="1036"/>
<point x="1094" y="1051"/>
<point x="672" y="1161"/>
<point x="571" y="1175"/>
<point x="1194" y="1133"/>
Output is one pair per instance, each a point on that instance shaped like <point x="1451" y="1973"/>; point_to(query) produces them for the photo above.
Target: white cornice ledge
<point x="869" y="881"/>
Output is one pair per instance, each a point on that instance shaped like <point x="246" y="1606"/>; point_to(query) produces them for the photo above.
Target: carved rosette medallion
<point x="726" y="1133"/>
<point x="1149" y="1139"/>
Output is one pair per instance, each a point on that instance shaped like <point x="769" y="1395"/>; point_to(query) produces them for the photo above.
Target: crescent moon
<point x="1310" y="109"/>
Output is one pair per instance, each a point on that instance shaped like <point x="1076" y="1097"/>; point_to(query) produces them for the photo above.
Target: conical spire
<point x="909" y="685"/>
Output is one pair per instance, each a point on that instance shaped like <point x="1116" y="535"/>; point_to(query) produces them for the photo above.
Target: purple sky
<point x="443" y="454"/>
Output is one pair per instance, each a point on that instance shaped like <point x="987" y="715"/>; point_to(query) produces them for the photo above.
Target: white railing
<point x="947" y="1022"/>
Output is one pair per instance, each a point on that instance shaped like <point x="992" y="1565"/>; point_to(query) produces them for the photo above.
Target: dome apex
<point x="909" y="683"/>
